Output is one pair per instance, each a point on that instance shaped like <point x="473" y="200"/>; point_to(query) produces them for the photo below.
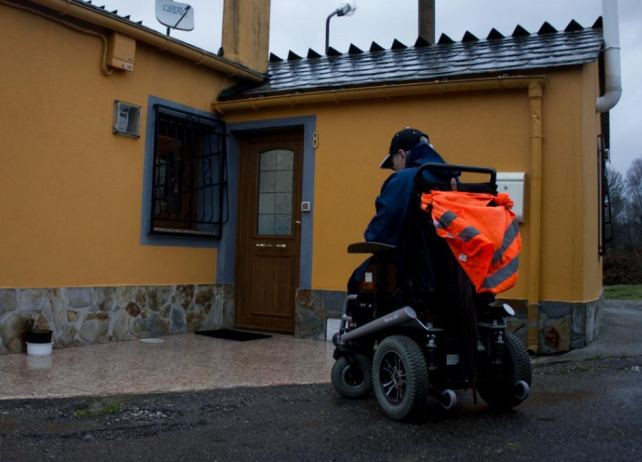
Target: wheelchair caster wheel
<point x="448" y="399"/>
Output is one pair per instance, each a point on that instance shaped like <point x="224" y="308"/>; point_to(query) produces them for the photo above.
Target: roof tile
<point x="397" y="45"/>
<point x="496" y="55"/>
<point x="444" y="40"/>
<point x="494" y="34"/>
<point x="469" y="37"/>
<point x="520" y="32"/>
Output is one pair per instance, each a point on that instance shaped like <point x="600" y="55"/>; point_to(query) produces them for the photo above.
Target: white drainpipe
<point x="613" y="81"/>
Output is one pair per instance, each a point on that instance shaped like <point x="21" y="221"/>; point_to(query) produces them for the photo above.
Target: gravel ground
<point x="583" y="410"/>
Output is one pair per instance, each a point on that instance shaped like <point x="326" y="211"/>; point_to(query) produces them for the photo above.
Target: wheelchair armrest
<point x="370" y="247"/>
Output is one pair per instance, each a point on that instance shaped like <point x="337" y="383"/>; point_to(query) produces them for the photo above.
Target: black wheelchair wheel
<point x="352" y="378"/>
<point x="499" y="391"/>
<point x="400" y="376"/>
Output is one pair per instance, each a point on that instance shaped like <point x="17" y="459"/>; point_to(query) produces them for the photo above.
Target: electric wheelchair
<point x="417" y="328"/>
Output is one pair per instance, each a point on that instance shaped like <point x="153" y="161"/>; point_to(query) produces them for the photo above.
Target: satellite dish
<point x="175" y="15"/>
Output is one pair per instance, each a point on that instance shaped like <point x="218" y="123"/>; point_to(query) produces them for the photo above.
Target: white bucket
<point x="39" y="349"/>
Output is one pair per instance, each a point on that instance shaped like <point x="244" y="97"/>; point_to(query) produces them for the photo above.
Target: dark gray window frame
<point x="147" y="237"/>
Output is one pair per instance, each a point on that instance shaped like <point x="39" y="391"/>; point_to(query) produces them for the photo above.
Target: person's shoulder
<point x="399" y="179"/>
<point x="408" y="173"/>
<point x="402" y="175"/>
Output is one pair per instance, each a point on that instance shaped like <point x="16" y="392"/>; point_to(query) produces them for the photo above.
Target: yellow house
<point x="152" y="188"/>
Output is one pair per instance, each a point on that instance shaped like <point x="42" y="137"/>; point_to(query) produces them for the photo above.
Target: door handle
<point x="278" y="246"/>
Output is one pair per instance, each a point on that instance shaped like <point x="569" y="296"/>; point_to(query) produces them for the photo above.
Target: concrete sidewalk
<point x="192" y="362"/>
<point x="185" y="362"/>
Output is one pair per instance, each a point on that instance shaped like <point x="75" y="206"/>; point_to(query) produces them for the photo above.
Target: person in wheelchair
<point x="409" y="148"/>
<point x="421" y="316"/>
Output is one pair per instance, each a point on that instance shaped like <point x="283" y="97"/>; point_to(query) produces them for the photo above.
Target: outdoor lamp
<point x="346" y="9"/>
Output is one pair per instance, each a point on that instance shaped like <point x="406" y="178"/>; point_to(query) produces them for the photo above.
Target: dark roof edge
<point x="228" y="95"/>
<point x="481" y="83"/>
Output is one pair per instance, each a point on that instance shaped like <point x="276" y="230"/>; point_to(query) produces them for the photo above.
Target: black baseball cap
<point x="405" y="139"/>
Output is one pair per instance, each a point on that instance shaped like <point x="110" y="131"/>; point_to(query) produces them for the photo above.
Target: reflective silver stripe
<point x="468" y="233"/>
<point x="447" y="218"/>
<point x="509" y="236"/>
<point x="501" y="275"/>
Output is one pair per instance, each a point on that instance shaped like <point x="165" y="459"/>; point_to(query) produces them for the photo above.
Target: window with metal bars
<point x="189" y="182"/>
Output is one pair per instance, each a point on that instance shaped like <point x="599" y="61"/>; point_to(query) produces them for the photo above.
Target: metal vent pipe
<point x="427" y="20"/>
<point x="612" y="72"/>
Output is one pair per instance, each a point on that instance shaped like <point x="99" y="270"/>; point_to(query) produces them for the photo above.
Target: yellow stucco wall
<point x="70" y="199"/>
<point x="489" y="129"/>
<point x="571" y="267"/>
<point x="71" y="191"/>
<point x="592" y="283"/>
<point x="354" y="137"/>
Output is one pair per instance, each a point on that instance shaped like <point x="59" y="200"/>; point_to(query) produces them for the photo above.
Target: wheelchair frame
<point x="413" y="356"/>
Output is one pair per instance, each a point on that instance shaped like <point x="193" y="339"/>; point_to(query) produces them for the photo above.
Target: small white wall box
<point x="332" y="326"/>
<point x="126" y="119"/>
<point x="513" y="184"/>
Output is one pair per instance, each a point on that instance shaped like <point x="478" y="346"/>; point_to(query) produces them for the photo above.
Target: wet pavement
<point x="193" y="362"/>
<point x="197" y="398"/>
<point x="585" y="410"/>
<point x="180" y="363"/>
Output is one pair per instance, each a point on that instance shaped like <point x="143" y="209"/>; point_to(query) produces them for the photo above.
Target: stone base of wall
<point x="89" y="315"/>
<point x="562" y="325"/>
<point x="312" y="309"/>
<point x="567" y="326"/>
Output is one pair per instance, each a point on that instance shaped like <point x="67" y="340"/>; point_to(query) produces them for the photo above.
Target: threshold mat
<point x="229" y="334"/>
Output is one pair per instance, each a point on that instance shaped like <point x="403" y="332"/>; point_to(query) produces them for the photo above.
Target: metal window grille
<point x="189" y="186"/>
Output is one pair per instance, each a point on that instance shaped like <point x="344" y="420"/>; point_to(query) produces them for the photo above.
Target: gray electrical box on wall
<point x="126" y="119"/>
<point x="513" y="184"/>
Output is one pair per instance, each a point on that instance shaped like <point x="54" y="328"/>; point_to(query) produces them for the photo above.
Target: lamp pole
<point x="343" y="10"/>
<point x="327" y="29"/>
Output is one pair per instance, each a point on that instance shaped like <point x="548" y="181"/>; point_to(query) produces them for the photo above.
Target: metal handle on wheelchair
<point x="457" y="168"/>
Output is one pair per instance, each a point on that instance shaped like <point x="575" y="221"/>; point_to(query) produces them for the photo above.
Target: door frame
<point x="226" y="258"/>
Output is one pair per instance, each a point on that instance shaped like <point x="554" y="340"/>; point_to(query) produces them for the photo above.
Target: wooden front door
<point x="269" y="231"/>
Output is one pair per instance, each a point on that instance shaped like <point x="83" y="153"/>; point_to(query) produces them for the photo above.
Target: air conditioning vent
<point x="126" y="119"/>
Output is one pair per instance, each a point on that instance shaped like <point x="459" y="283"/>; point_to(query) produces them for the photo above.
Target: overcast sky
<point x="300" y="24"/>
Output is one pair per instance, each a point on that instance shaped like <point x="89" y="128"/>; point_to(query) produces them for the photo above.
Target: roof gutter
<point x="612" y="81"/>
<point x="88" y="14"/>
<point x="380" y="91"/>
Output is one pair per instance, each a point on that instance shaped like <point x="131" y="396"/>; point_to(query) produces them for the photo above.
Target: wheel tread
<point x="416" y="376"/>
<point x="498" y="394"/>
<point x="347" y="390"/>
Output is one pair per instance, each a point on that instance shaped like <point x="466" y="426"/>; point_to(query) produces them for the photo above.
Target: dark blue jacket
<point x="392" y="202"/>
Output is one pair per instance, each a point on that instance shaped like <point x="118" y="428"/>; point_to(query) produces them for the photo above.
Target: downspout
<point x="612" y="72"/>
<point x="535" y="229"/>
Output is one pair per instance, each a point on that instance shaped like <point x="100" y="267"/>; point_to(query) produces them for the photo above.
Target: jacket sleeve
<point x="391" y="204"/>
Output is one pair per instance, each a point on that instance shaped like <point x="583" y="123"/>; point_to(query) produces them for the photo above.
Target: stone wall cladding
<point x="89" y="315"/>
<point x="562" y="325"/>
<point x="567" y="326"/>
<point x="312" y="309"/>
